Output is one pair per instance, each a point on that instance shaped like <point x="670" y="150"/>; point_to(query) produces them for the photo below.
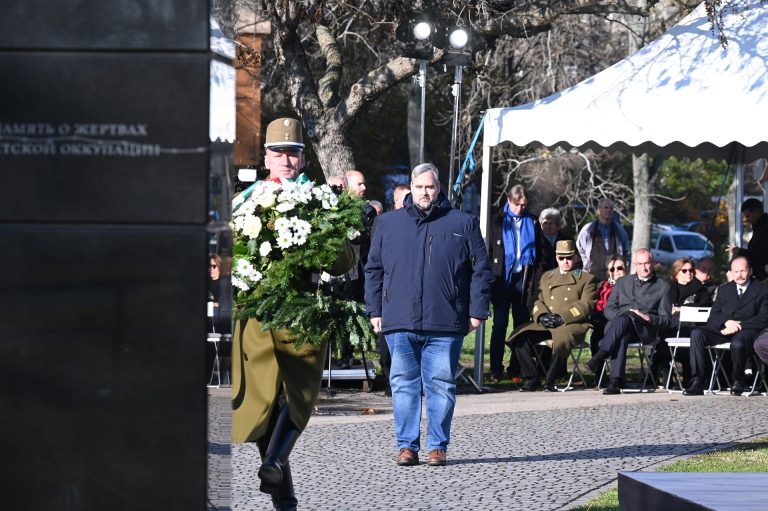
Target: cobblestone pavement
<point x="509" y="450"/>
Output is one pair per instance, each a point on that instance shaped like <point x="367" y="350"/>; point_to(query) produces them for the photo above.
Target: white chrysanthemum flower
<point x="299" y="240"/>
<point x="240" y="284"/>
<point x="264" y="249"/>
<point x="282" y="224"/>
<point x="257" y="276"/>
<point x="243" y="267"/>
<point x="239" y="223"/>
<point x="284" y="239"/>
<point x="325" y="277"/>
<point x="301" y="227"/>
<point x="352" y="234"/>
<point x="266" y="200"/>
<point x="252" y="226"/>
<point x="247" y="207"/>
<point x="285" y="206"/>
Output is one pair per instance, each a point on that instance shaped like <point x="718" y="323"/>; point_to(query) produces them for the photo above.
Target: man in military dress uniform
<point x="275" y="385"/>
<point x="561" y="314"/>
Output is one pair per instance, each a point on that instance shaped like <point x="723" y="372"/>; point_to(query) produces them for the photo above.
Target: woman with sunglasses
<point x="686" y="289"/>
<point x="616" y="268"/>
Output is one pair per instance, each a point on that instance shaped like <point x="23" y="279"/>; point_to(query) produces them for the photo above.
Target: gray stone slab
<point x="693" y="491"/>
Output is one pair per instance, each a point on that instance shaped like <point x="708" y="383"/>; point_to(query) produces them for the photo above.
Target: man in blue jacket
<point x="427" y="284"/>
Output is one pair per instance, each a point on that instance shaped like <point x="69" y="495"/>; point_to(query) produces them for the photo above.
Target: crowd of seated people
<point x="645" y="307"/>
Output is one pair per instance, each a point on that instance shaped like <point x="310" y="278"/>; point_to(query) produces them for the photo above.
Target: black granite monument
<point x="105" y="159"/>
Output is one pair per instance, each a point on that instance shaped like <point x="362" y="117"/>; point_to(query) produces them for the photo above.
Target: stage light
<point x="458" y="38"/>
<point x="420" y="34"/>
<point x="422" y="30"/>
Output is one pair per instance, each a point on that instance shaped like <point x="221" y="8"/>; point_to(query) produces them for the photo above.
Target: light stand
<point x="456" y="91"/>
<point x="423" y="85"/>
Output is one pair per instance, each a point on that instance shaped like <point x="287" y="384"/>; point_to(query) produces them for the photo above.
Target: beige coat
<point x="572" y="296"/>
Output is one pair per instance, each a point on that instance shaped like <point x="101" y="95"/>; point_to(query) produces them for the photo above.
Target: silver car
<point x="668" y="246"/>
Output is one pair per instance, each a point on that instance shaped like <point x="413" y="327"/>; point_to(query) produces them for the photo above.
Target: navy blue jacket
<point x="427" y="273"/>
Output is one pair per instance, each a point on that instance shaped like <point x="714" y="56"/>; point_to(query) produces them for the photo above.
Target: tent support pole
<point x="485" y="223"/>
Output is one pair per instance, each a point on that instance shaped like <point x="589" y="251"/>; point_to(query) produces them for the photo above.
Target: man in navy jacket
<point x="427" y="284"/>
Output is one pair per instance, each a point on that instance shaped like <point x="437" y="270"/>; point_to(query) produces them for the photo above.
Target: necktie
<point x="741" y="292"/>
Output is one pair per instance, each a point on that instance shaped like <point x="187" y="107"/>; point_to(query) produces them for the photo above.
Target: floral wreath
<point x="287" y="235"/>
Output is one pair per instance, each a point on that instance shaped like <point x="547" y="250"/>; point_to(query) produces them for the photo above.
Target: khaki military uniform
<point x="572" y="296"/>
<point x="264" y="363"/>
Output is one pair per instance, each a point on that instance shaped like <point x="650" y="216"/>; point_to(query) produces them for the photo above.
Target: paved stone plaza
<point x="509" y="450"/>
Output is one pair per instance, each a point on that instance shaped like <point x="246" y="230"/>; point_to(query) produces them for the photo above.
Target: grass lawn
<point x="749" y="457"/>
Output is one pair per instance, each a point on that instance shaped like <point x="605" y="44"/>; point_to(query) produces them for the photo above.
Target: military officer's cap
<point x="284" y="133"/>
<point x="565" y="248"/>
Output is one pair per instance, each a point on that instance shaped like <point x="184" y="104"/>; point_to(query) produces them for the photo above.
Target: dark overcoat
<point x="572" y="296"/>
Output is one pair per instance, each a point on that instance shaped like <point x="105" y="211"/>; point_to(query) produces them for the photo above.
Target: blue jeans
<point x="431" y="359"/>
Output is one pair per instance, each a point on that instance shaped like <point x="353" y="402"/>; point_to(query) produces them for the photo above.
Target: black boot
<point x="556" y="364"/>
<point x="284" y="499"/>
<point x="284" y="436"/>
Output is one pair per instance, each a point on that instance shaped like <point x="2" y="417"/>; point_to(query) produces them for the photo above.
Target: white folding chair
<point x="645" y="366"/>
<point x="716" y="354"/>
<point x="688" y="315"/>
<point x="216" y="369"/>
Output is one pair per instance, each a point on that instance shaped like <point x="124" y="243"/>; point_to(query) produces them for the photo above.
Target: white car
<point x="668" y="246"/>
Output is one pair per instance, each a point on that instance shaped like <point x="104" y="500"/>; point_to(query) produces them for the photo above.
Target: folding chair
<point x="645" y="366"/>
<point x="575" y="356"/>
<point x="691" y="315"/>
<point x="716" y="354"/>
<point x="759" y="377"/>
<point x="216" y="369"/>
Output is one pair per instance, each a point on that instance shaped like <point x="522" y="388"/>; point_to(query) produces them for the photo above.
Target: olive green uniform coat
<point x="572" y="296"/>
<point x="266" y="363"/>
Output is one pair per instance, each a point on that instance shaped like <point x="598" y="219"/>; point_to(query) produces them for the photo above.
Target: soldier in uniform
<point x="560" y="314"/>
<point x="275" y="385"/>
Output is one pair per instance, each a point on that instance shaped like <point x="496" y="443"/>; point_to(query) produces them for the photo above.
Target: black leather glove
<point x="551" y="320"/>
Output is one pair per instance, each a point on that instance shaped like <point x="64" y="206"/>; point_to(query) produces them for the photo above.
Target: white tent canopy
<point x="682" y="95"/>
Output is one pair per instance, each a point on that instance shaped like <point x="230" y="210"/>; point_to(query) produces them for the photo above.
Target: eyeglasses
<point x="615" y="268"/>
<point x="564" y="258"/>
<point x="686" y="270"/>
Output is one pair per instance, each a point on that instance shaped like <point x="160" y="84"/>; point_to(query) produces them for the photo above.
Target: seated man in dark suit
<point x="638" y="308"/>
<point x="738" y="315"/>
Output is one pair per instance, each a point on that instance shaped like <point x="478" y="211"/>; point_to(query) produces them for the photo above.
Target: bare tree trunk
<point x="643" y="184"/>
<point x="334" y="153"/>
<point x="641" y="232"/>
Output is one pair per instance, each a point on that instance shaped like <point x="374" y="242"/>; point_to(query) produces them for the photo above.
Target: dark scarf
<point x="679" y="292"/>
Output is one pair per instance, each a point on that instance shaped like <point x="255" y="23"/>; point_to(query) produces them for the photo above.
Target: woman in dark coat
<point x="686" y="290"/>
<point x="616" y="268"/>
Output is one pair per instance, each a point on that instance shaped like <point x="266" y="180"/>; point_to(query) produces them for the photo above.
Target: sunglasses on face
<point x="615" y="268"/>
<point x="686" y="270"/>
<point x="564" y="258"/>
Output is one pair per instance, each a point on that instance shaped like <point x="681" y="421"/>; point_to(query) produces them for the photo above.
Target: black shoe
<point x="531" y="386"/>
<point x="693" y="390"/>
<point x="737" y="389"/>
<point x="595" y="364"/>
<point x="549" y="388"/>
<point x="613" y="388"/>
